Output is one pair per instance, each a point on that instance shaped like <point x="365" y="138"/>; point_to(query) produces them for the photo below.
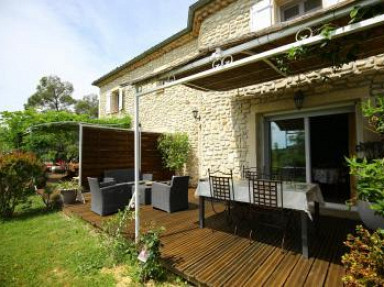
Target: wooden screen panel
<point x="114" y="149"/>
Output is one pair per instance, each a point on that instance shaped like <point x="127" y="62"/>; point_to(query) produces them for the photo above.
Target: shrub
<point x="364" y="263"/>
<point x="52" y="198"/>
<point x="120" y="248"/>
<point x="174" y="149"/>
<point x="17" y="171"/>
<point x="151" y="267"/>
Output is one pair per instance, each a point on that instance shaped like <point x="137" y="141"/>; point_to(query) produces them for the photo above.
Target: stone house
<point x="258" y="116"/>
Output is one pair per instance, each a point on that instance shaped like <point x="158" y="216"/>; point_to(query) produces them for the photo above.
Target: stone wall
<point x="227" y="135"/>
<point x="231" y="22"/>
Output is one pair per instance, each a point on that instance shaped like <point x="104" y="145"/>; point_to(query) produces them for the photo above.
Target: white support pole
<point x="80" y="154"/>
<point x="137" y="167"/>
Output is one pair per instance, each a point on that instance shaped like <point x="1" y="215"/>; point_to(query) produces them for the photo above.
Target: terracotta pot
<point x="368" y="216"/>
<point x="69" y="195"/>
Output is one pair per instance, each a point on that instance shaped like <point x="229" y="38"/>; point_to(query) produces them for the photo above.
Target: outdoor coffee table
<point x="296" y="196"/>
<point x="145" y="192"/>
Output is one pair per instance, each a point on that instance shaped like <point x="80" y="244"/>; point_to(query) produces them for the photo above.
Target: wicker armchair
<point x="173" y="197"/>
<point x="109" y="199"/>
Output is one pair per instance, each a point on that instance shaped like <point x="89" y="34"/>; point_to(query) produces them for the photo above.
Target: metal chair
<point x="221" y="188"/>
<point x="250" y="172"/>
<point x="265" y="194"/>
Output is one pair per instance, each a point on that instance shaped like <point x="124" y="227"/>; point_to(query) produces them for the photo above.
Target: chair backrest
<point x="179" y="182"/>
<point x="264" y="192"/>
<point x="93" y="184"/>
<point x="221" y="186"/>
<point x="249" y="172"/>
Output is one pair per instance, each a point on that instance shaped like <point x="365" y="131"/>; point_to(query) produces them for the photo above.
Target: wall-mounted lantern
<point x="196" y="115"/>
<point x="298" y="98"/>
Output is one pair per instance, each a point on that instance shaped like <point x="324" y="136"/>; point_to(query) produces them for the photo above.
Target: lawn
<point x="39" y="248"/>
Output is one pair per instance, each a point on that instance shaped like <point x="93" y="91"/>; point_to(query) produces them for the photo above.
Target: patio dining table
<point x="296" y="196"/>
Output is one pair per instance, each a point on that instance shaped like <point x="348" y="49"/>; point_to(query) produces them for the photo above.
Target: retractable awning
<point x="250" y="67"/>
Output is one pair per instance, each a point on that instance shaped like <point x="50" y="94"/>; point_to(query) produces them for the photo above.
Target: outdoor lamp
<point x="298" y="98"/>
<point x="196" y="115"/>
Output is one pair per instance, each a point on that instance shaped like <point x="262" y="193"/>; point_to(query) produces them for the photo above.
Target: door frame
<point x="305" y="115"/>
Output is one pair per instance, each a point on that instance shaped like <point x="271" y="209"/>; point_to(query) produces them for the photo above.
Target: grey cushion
<point x="120" y="175"/>
<point x="171" y="197"/>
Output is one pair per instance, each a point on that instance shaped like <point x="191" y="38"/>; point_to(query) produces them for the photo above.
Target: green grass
<point x="38" y="248"/>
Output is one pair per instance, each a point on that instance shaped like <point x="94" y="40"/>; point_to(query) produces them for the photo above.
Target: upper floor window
<point x="298" y="8"/>
<point x="115" y="101"/>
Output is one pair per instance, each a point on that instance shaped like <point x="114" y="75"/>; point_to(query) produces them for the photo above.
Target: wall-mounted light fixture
<point x="196" y="115"/>
<point x="298" y="98"/>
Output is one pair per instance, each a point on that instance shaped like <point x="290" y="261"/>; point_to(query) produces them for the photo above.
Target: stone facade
<point x="230" y="23"/>
<point x="228" y="134"/>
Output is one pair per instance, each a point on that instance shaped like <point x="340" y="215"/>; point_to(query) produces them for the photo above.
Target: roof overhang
<point x="250" y="67"/>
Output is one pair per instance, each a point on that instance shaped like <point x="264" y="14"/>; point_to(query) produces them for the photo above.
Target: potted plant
<point x="370" y="190"/>
<point x="370" y="172"/>
<point x="68" y="190"/>
<point x="174" y="149"/>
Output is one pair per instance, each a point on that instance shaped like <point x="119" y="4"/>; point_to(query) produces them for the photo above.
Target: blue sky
<point x="77" y="40"/>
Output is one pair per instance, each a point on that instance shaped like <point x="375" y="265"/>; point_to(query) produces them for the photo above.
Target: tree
<point x="88" y="105"/>
<point x="51" y="94"/>
<point x="21" y="131"/>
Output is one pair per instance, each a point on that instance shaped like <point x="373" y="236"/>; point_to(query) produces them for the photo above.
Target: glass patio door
<point x="287" y="155"/>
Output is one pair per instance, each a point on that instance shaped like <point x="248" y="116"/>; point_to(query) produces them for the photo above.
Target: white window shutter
<point x="120" y="99"/>
<point x="261" y="15"/>
<point x="108" y="103"/>
<point x="328" y="3"/>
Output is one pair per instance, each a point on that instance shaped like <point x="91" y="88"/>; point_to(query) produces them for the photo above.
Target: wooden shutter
<point x="261" y="15"/>
<point x="108" y="103"/>
<point x="121" y="100"/>
<point x="328" y="3"/>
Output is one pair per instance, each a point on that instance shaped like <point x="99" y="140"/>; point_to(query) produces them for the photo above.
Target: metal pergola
<point x="259" y="57"/>
<point x="80" y="126"/>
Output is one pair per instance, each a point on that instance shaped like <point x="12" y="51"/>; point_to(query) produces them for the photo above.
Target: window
<point x="299" y="8"/>
<point x="115" y="101"/>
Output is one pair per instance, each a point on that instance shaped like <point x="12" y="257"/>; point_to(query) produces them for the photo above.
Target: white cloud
<point x="77" y="40"/>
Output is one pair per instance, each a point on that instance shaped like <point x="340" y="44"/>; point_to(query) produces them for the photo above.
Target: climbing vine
<point x="328" y="50"/>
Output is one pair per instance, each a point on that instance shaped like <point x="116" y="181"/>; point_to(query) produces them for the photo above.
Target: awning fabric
<point x="365" y="43"/>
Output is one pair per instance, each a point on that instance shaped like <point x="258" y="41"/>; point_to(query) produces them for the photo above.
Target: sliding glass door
<point x="311" y="147"/>
<point x="287" y="148"/>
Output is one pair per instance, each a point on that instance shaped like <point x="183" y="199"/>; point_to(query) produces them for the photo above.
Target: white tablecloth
<point x="296" y="195"/>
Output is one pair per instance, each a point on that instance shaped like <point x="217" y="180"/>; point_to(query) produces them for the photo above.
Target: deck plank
<point x="214" y="256"/>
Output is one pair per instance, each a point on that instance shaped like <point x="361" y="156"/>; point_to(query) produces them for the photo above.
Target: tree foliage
<point x="22" y="130"/>
<point x="51" y="94"/>
<point x="88" y="105"/>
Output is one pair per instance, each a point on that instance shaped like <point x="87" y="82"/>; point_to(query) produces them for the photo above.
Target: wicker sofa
<point x="121" y="175"/>
<point x="173" y="197"/>
<point x="109" y="199"/>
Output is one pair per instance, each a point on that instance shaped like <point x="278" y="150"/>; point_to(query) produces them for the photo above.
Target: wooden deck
<point x="214" y="256"/>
